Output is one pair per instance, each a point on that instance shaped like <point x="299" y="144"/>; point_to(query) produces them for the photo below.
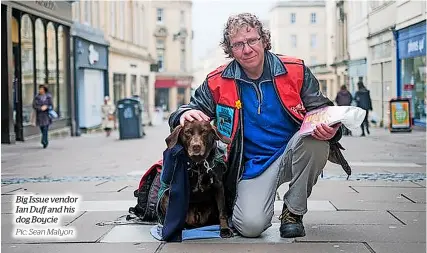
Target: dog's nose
<point x="197" y="148"/>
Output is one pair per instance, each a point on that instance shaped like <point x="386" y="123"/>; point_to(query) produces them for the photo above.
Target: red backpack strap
<point x="157" y="165"/>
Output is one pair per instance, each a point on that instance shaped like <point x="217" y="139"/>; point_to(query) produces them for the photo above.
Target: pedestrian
<point x="344" y="98"/>
<point x="42" y="103"/>
<point x="258" y="101"/>
<point x="108" y="116"/>
<point x="363" y="100"/>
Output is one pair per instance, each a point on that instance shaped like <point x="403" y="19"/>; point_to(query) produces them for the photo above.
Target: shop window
<point x="62" y="74"/>
<point x="27" y="65"/>
<point x="51" y="64"/>
<point x="119" y="83"/>
<point x="413" y="86"/>
<point x="181" y="97"/>
<point x="40" y="53"/>
<point x="162" y="98"/>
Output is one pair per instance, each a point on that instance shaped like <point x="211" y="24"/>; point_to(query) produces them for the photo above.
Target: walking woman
<point x="363" y="100"/>
<point x="108" y="116"/>
<point x="42" y="103"/>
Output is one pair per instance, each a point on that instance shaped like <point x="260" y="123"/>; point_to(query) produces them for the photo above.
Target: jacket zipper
<point x="258" y="93"/>
<point x="281" y="102"/>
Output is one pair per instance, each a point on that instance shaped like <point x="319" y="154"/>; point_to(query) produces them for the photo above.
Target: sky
<point x="209" y="17"/>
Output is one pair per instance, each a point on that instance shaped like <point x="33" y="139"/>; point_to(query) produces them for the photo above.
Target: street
<point x="381" y="208"/>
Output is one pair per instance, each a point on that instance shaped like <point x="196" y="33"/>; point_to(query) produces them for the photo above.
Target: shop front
<point x="357" y="72"/>
<point x="170" y="93"/>
<point x="35" y="49"/>
<point x="411" y="52"/>
<point x="90" y="75"/>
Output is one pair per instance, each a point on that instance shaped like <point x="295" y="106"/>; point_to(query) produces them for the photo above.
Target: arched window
<point x="27" y="66"/>
<point x="63" y="91"/>
<point x="40" y="54"/>
<point x="51" y="63"/>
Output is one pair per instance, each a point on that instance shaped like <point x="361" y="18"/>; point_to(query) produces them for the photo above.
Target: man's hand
<point x="193" y="115"/>
<point x="44" y="107"/>
<point x="324" y="132"/>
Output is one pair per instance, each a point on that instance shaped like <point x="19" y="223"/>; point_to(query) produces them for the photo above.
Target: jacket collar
<point x="277" y="68"/>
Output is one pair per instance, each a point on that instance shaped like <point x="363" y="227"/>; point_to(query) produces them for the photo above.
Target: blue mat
<point x="207" y="232"/>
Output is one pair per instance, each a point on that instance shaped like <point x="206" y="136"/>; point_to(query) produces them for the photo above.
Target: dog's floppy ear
<point x="172" y="139"/>
<point x="219" y="136"/>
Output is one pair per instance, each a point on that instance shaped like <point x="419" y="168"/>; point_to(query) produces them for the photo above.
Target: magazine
<point x="350" y="116"/>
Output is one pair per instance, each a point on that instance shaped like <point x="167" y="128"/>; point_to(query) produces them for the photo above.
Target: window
<point x="51" y="64"/>
<point x="293" y="41"/>
<point x="162" y="98"/>
<point x="293" y="18"/>
<point x="313" y="18"/>
<point x="183" y="58"/>
<point x="40" y="56"/>
<point x="113" y="18"/>
<point x="182" y="19"/>
<point x="160" y="46"/>
<point x="133" y="90"/>
<point x="122" y="20"/>
<point x="159" y="15"/>
<point x="119" y="83"/>
<point x="62" y="73"/>
<point x="143" y="82"/>
<point x="27" y="61"/>
<point x="313" y="41"/>
<point x="88" y="12"/>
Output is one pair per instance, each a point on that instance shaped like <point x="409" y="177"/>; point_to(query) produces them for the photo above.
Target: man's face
<point x="251" y="55"/>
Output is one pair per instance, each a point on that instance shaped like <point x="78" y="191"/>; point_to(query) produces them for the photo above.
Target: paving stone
<point x="54" y="188"/>
<point x="363" y="233"/>
<point x="391" y="194"/>
<point x="117" y="186"/>
<point x="264" y="248"/>
<point x="10" y="189"/>
<point x="398" y="247"/>
<point x="422" y="183"/>
<point x="346" y="218"/>
<point x="113" y="205"/>
<point x="80" y="247"/>
<point x="361" y="205"/>
<point x="312" y="205"/>
<point x="412" y="218"/>
<point x="109" y="196"/>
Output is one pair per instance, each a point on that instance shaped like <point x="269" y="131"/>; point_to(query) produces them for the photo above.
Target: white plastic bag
<point x="350" y="116"/>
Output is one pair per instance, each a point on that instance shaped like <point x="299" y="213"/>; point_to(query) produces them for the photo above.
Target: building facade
<point x="411" y="57"/>
<point x="298" y="29"/>
<point x="125" y="25"/>
<point x="90" y="76"/>
<point x="357" y="43"/>
<point x="35" y="49"/>
<point x="170" y="31"/>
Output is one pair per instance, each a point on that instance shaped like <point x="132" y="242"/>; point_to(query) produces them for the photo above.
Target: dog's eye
<point x="188" y="132"/>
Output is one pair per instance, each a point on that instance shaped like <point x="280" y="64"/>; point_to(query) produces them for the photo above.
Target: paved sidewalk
<point x="382" y="208"/>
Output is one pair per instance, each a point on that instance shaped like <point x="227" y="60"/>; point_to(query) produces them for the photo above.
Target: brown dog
<point x="207" y="200"/>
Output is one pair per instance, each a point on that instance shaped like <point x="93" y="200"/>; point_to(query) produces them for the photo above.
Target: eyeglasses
<point x="240" y="45"/>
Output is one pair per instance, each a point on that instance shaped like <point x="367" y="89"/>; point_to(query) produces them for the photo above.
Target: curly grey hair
<point x="235" y="23"/>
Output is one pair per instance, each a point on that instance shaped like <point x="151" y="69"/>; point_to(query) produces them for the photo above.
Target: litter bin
<point x="130" y="118"/>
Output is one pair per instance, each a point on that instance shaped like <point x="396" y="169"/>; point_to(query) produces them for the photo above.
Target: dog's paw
<point x="226" y="233"/>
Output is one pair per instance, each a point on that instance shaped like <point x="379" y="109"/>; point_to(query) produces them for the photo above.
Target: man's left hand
<point x="324" y="132"/>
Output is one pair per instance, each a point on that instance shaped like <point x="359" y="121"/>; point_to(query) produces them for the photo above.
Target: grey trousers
<point x="301" y="163"/>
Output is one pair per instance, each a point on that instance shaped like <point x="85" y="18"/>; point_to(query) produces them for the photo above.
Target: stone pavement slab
<point x="361" y="205"/>
<point x="60" y="247"/>
<point x="398" y="247"/>
<point x="265" y="248"/>
<point x="363" y="233"/>
<point x="412" y="218"/>
<point x="346" y="218"/>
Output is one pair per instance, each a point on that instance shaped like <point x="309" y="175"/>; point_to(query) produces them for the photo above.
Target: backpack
<point x="146" y="194"/>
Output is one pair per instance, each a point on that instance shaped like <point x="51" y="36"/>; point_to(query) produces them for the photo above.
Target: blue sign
<point x="412" y="41"/>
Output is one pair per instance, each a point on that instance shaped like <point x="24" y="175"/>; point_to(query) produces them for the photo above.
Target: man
<point x="344" y="98"/>
<point x="258" y="101"/>
<point x="363" y="100"/>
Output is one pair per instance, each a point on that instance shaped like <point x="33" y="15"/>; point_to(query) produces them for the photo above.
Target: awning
<point x="170" y="83"/>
